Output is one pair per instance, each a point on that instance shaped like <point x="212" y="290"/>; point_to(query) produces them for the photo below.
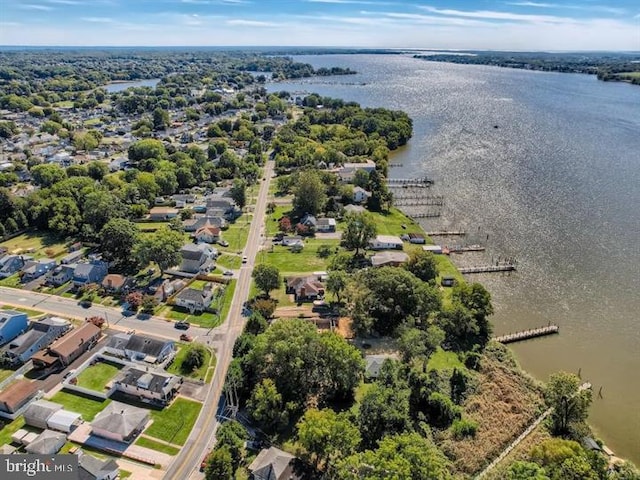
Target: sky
<point x="551" y="25"/>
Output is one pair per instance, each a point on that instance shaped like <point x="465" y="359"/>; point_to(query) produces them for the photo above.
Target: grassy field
<point x="236" y="234"/>
<point x="204" y="319"/>
<point x="97" y="376"/>
<point x="9" y="429"/>
<point x="274" y="218"/>
<point x="229" y="261"/>
<point x="176" y="366"/>
<point x="174" y="423"/>
<point x="157" y="446"/>
<point x="28" y="311"/>
<point x="12" y="282"/>
<point x="442" y="360"/>
<point x="91" y="122"/>
<point x="224" y="304"/>
<point x="37" y="245"/>
<point x="305" y="261"/>
<point x="5" y="374"/>
<point x="86" y="407"/>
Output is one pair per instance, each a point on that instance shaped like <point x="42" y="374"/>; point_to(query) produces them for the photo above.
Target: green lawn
<point x="229" y="261"/>
<point x="236" y="235"/>
<point x="157" y="446"/>
<point x="447" y="268"/>
<point x="444" y="360"/>
<point x="12" y="282"/>
<point x="176" y="366"/>
<point x="204" y="319"/>
<point x="5" y="374"/>
<point x="305" y="261"/>
<point x="224" y="304"/>
<point x="174" y="423"/>
<point x="86" y="407"/>
<point x="9" y="429"/>
<point x="30" y="312"/>
<point x="38" y="245"/>
<point x="64" y="104"/>
<point x="92" y="121"/>
<point x="97" y="376"/>
<point x="273" y="219"/>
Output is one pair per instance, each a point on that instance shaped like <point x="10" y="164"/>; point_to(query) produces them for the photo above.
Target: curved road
<point x="201" y="439"/>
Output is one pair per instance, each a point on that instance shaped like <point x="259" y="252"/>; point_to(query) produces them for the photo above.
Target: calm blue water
<point x="556" y="185"/>
<point x="119" y="87"/>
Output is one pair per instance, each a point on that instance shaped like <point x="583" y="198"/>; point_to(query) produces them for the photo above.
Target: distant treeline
<point x="607" y="66"/>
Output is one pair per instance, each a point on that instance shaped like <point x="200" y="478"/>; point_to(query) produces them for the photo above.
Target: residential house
<point x="62" y="274"/>
<point x="72" y="257"/>
<point x="12" y="324"/>
<point x="10" y="264"/>
<point x="326" y="225"/>
<point x="309" y="221"/>
<point x="38" y="412"/>
<point x="156" y="386"/>
<point x="66" y="349"/>
<point x="120" y="422"/>
<point x="47" y="443"/>
<point x="182" y="199"/>
<point x="17" y="395"/>
<point x="226" y="205"/>
<point x="207" y="234"/>
<point x="161" y="214"/>
<point x="195" y="300"/>
<point x="197" y="258"/>
<point x="347" y="172"/>
<point x="41" y="334"/>
<point x="354" y="209"/>
<point x="417" y="238"/>
<point x="373" y="364"/>
<point x="92" y="468"/>
<point x="116" y="283"/>
<point x="389" y="259"/>
<point x="140" y="347"/>
<point x="273" y="464"/>
<point x="305" y="289"/>
<point x="34" y="269"/>
<point x="209" y="219"/>
<point x="360" y="195"/>
<point x="386" y="242"/>
<point x="93" y="272"/>
<point x="119" y="163"/>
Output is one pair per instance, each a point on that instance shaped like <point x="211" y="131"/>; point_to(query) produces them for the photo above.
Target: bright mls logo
<point x="51" y="467"/>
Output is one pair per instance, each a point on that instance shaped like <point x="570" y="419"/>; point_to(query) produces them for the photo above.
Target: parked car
<point x="203" y="464"/>
<point x="69" y="373"/>
<point x="223" y="243"/>
<point x="185" y="338"/>
<point x="228" y="273"/>
<point x="182" y="325"/>
<point x="244" y="259"/>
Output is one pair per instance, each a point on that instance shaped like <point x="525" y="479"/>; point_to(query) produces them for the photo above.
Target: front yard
<point x="306" y="260"/>
<point x="37" y="245"/>
<point x="157" y="446"/>
<point x="199" y="373"/>
<point x="174" y="423"/>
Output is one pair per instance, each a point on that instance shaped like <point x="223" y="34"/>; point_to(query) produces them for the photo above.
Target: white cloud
<point x="591" y="8"/>
<point x="97" y="19"/>
<point x="491" y="15"/>
<point x="31" y="6"/>
<point x="350" y="2"/>
<point x="239" y="22"/>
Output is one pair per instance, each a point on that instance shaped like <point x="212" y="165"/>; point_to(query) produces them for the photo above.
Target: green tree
<point x="267" y="407"/>
<point x="161" y="247"/>
<point x="161" y="119"/>
<point x="118" y="238"/>
<point x="359" y="230"/>
<point x="520" y="470"/>
<point x="383" y="411"/>
<point x="337" y="283"/>
<point x="309" y="193"/>
<point x="415" y="343"/>
<point x="100" y="206"/>
<point x="327" y="436"/>
<point x="407" y="456"/>
<point x="147" y="148"/>
<point x="423" y="265"/>
<point x="570" y="406"/>
<point x="97" y="170"/>
<point x="477" y="300"/>
<point x="64" y="216"/>
<point x="86" y="141"/>
<point x="195" y="357"/>
<point x="47" y="174"/>
<point x="232" y="435"/>
<point x="8" y="129"/>
<point x="238" y="193"/>
<point x="219" y="465"/>
<point x="267" y="277"/>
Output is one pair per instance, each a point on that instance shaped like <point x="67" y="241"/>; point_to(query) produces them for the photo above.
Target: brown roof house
<point x="120" y="422"/>
<point x="16" y="395"/>
<point x="305" y="289"/>
<point x="66" y="349"/>
<point x="47" y="443"/>
<point x="273" y="464"/>
<point x="114" y="282"/>
<point x="92" y="468"/>
<point x="207" y="234"/>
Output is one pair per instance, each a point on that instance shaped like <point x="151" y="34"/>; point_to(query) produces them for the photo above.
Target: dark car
<point x="85" y="303"/>
<point x="182" y="325"/>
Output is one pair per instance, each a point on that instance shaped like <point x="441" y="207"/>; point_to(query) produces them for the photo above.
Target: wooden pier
<point x="409" y="182"/>
<point x="528" y="334"/>
<point x="507" y="267"/>
<point x="445" y="233"/>
<point x="417" y="200"/>
<point x="462" y="248"/>
<point x="424" y="215"/>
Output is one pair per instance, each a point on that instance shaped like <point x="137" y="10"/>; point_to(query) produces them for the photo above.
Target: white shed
<point x="64" y="421"/>
<point x="436" y="249"/>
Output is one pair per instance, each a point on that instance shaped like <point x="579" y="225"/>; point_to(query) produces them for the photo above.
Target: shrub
<point x="464" y="428"/>
<point x="324" y="251"/>
<point x="264" y="306"/>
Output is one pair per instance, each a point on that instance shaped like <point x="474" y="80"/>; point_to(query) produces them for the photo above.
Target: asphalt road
<point x="67" y="307"/>
<point x="202" y="437"/>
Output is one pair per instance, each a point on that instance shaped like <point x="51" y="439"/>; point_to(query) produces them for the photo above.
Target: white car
<point x="244" y="259"/>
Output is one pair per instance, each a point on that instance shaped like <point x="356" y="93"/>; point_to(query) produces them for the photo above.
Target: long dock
<point x="528" y="334"/>
<point x="445" y="233"/>
<point x="424" y="215"/>
<point x="416" y="202"/>
<point x="413" y="195"/>
<point x="409" y="182"/>
<point x="462" y="248"/>
<point x="489" y="268"/>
